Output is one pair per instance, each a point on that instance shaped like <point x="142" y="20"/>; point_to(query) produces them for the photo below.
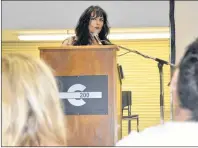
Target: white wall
<point x="186" y="25"/>
<point x="64" y="14"/>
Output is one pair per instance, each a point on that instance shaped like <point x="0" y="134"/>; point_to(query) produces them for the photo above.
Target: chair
<point x="126" y="105"/>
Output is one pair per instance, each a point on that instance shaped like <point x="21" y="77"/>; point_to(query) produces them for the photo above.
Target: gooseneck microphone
<point x="95" y="36"/>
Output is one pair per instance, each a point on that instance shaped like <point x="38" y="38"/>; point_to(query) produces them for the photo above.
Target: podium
<point x="91" y="126"/>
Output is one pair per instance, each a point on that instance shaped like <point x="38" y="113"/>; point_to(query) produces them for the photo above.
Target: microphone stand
<point x="160" y="67"/>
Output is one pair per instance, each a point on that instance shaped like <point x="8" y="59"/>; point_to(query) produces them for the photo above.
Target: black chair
<point x="126" y="105"/>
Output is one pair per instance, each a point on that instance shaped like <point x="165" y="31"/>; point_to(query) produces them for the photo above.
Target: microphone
<point x="95" y="36"/>
<point x="139" y="53"/>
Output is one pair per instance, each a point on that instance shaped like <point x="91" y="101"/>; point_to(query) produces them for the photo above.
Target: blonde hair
<point x="31" y="109"/>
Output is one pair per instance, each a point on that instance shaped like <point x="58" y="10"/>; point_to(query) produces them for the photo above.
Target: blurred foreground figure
<point x="184" y="130"/>
<point x="31" y="110"/>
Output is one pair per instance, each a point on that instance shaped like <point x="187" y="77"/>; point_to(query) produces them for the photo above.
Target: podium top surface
<point x="96" y="47"/>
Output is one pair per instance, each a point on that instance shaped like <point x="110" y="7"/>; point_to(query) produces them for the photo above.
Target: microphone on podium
<point x="95" y="36"/>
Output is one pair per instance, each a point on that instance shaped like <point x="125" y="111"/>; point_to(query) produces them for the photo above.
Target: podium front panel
<point x="88" y="129"/>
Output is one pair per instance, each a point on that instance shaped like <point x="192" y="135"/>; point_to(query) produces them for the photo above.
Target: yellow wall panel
<point x="141" y="76"/>
<point x="30" y="48"/>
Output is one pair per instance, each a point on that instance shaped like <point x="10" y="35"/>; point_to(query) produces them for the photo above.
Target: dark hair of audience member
<point x="188" y="80"/>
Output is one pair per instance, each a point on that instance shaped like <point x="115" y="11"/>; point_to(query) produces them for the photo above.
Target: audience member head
<point x="31" y="111"/>
<point x="185" y="85"/>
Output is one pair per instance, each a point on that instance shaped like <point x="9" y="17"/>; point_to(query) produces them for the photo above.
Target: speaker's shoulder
<point x="69" y="41"/>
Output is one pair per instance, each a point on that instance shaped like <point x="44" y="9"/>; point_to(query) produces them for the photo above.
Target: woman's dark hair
<point x="188" y="80"/>
<point x="82" y="30"/>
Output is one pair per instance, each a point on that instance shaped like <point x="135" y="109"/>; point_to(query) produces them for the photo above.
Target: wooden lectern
<point x="90" y="130"/>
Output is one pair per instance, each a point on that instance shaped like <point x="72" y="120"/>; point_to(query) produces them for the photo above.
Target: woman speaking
<point x="92" y="28"/>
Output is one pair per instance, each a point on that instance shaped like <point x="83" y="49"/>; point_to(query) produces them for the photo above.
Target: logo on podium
<point x="84" y="94"/>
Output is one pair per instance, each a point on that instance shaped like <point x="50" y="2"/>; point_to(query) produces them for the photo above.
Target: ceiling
<point x="17" y="15"/>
